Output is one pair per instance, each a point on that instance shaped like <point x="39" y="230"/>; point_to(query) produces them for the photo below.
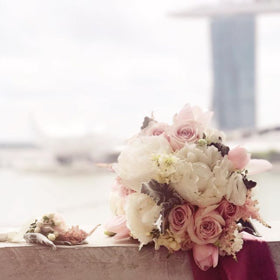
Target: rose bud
<point x="205" y="256"/>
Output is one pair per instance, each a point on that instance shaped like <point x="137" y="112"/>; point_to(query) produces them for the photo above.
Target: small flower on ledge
<point x="51" y="230"/>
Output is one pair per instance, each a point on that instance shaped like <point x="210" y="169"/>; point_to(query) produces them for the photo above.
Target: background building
<point x="233" y="56"/>
<point x="233" y="36"/>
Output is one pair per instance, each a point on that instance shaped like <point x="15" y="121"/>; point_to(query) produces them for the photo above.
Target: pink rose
<point x="188" y="126"/>
<point x="186" y="243"/>
<point x="239" y="157"/>
<point x="205" y="256"/>
<point x="193" y="113"/>
<point x="228" y="210"/>
<point x="179" y="218"/>
<point x="185" y="132"/>
<point x="156" y="129"/>
<point x="118" y="225"/>
<point x="207" y="226"/>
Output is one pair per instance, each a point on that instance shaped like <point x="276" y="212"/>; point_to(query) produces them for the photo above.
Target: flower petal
<point x="256" y="166"/>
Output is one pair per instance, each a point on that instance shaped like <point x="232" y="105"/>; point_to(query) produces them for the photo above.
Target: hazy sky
<point x="105" y="64"/>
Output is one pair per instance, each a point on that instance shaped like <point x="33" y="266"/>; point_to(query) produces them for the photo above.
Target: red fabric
<point x="253" y="262"/>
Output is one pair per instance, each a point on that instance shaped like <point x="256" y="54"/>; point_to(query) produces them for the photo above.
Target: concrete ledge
<point x="102" y="259"/>
<point x="87" y="263"/>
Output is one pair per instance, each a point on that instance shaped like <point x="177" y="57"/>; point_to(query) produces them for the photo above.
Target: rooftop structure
<point x="231" y="8"/>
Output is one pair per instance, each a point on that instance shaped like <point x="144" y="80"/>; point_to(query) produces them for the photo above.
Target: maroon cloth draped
<point x="254" y="262"/>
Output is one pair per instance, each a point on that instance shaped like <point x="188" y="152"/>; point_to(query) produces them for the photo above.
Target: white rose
<point x="236" y="190"/>
<point x="135" y="164"/>
<point x="141" y="215"/>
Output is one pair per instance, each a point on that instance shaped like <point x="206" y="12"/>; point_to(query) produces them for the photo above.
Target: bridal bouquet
<point x="179" y="186"/>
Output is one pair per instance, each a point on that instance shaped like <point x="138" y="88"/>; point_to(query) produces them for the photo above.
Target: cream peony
<point x="135" y="164"/>
<point x="222" y="171"/>
<point x="198" y="185"/>
<point x="141" y="215"/>
<point x="236" y="190"/>
<point x="214" y="135"/>
<point x="205" y="175"/>
<point x="208" y="155"/>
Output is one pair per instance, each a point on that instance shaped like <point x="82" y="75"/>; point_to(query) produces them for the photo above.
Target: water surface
<point x="83" y="198"/>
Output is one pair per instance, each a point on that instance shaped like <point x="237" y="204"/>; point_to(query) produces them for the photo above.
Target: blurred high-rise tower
<point x="232" y="31"/>
<point x="233" y="59"/>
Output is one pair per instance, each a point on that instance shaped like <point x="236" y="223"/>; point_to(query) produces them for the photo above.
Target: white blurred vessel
<point x="59" y="148"/>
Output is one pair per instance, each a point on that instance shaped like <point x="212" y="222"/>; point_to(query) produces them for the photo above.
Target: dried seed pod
<point x="38" y="238"/>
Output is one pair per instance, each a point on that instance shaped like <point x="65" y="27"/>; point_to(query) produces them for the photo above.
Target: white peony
<point x="141" y="215"/>
<point x="205" y="154"/>
<point x="204" y="176"/>
<point x="198" y="185"/>
<point x="236" y="190"/>
<point x="214" y="135"/>
<point x="222" y="172"/>
<point x="135" y="164"/>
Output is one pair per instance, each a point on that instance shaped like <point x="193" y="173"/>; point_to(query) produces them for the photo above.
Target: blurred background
<point x="77" y="78"/>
